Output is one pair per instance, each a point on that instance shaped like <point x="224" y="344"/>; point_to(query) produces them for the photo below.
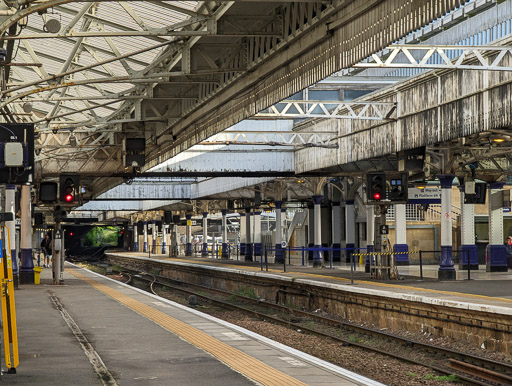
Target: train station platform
<point x="485" y="291"/>
<point x="95" y="330"/>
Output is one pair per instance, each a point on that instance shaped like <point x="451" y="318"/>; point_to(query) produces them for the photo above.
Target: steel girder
<point x="492" y="58"/>
<point x="329" y="109"/>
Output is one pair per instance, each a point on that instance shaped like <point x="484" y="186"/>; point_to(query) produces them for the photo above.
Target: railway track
<point x="470" y="369"/>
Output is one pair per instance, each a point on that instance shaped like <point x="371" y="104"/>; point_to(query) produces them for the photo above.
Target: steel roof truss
<point x="423" y="56"/>
<point x="368" y="110"/>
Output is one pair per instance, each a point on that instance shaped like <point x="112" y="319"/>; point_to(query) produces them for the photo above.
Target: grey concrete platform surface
<point x="135" y="349"/>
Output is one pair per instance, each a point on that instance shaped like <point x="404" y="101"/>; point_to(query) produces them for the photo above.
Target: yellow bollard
<point x="37" y="275"/>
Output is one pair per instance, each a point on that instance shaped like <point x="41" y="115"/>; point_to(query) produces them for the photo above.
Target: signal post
<point x="383" y="190"/>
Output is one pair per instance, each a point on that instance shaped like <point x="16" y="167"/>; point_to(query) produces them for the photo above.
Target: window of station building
<point x="481" y="230"/>
<point x="324" y="95"/>
<point x="350" y="95"/>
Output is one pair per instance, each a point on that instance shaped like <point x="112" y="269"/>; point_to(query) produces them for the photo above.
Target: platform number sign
<point x="384" y="230"/>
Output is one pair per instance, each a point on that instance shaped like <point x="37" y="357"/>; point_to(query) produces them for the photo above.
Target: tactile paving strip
<point x="239" y="361"/>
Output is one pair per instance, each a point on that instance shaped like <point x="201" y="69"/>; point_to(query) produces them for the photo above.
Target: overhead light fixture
<point x="27" y="107"/>
<point x="499" y="138"/>
<point x="301" y="181"/>
<point x="72" y="140"/>
<point x="420" y="185"/>
<point x="52" y="25"/>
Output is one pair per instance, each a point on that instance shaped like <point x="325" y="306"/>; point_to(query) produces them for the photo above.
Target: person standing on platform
<point x="46" y="246"/>
<point x="508" y="244"/>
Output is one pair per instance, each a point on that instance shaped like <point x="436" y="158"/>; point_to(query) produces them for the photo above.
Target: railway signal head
<point x="68" y="188"/>
<point x="376" y="186"/>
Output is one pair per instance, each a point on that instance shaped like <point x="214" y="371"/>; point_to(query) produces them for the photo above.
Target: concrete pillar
<point x="350" y="229"/>
<point x="336" y="231"/>
<point x="154" y="237"/>
<point x="188" y="241"/>
<point x="164" y="238"/>
<point x="26" y="274"/>
<point x="257" y="234"/>
<point x="401" y="235"/>
<point x="204" y="251"/>
<point x="468" y="246"/>
<point x="11" y="225"/>
<point x="279" y="256"/>
<point x="248" y="235"/>
<point x="135" y="238"/>
<point x="225" y="252"/>
<point x="145" y="246"/>
<point x="370" y="235"/>
<point x="496" y="250"/>
<point x="243" y="233"/>
<point x="318" y="255"/>
<point x="446" y="266"/>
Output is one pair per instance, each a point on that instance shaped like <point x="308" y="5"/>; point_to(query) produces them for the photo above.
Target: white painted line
<point x="160" y="304"/>
<point x="293" y="361"/>
<point x="234" y="336"/>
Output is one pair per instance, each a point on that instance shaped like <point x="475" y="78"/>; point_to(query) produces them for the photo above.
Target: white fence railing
<point x="417" y="212"/>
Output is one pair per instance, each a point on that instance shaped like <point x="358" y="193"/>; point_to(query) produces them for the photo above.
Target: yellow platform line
<point x="239" y="361"/>
<point x="370" y="283"/>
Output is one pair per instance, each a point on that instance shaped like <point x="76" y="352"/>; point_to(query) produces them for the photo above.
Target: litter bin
<point x="37" y="274"/>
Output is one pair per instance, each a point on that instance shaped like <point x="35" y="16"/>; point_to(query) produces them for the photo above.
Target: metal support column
<point x="243" y="233"/>
<point x="318" y="255"/>
<point x="248" y="235"/>
<point x="57" y="251"/>
<point x="468" y="246"/>
<point x="279" y="256"/>
<point x="135" y="238"/>
<point x="11" y="225"/>
<point x="446" y="266"/>
<point x="370" y="235"/>
<point x="27" y="264"/>
<point x="154" y="237"/>
<point x="174" y="240"/>
<point x="204" y="251"/>
<point x="350" y="228"/>
<point x="164" y="238"/>
<point x="257" y="234"/>
<point x="336" y="231"/>
<point x="401" y="236"/>
<point x="225" y="253"/>
<point x="496" y="250"/>
<point x="145" y="246"/>
<point x="188" y="241"/>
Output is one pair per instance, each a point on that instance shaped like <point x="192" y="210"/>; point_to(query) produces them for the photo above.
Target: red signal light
<point x="71" y="234"/>
<point x="69" y="197"/>
<point x="376" y="196"/>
